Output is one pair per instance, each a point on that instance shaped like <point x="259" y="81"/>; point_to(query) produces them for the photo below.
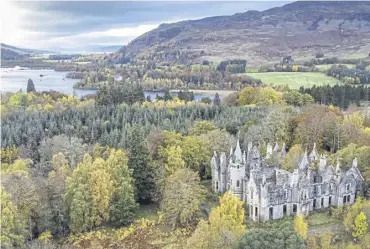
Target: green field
<point x="294" y="80"/>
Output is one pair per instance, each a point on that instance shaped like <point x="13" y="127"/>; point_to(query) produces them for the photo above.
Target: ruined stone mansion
<point x="272" y="193"/>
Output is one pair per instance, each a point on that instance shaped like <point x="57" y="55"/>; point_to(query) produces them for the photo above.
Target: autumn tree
<point x="22" y="193"/>
<point x="359" y="227"/>
<point x="201" y="127"/>
<point x="182" y="197"/>
<point x="13" y="228"/>
<point x="300" y="226"/>
<point x="79" y="197"/>
<point x="259" y="96"/>
<point x="101" y="186"/>
<point x="293" y="157"/>
<point x="351" y="213"/>
<point x="224" y="227"/>
<point x="174" y="160"/>
<point x="347" y="154"/>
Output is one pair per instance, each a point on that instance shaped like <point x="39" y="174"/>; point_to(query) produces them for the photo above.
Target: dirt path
<point x="323" y="229"/>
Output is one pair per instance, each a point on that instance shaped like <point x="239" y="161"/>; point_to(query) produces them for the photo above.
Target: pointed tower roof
<point x="283" y="150"/>
<point x="304" y="162"/>
<point x="231" y="151"/>
<point x="238" y="151"/>
<point x="276" y="147"/>
<point x="314" y="154"/>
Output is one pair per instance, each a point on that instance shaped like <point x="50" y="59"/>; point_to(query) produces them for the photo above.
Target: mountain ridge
<point x="298" y="28"/>
<point x="9" y="52"/>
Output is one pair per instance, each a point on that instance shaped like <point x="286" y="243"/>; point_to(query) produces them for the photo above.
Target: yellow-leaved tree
<point x="359" y="228"/>
<point x="351" y="213"/>
<point x="300" y="226"/>
<point x="293" y="158"/>
<point x="224" y="227"/>
<point x="259" y="96"/>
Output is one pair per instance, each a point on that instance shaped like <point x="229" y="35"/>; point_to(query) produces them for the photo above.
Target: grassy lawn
<point x="327" y="66"/>
<point x="251" y="70"/>
<point x="295" y="80"/>
<point x="321" y="219"/>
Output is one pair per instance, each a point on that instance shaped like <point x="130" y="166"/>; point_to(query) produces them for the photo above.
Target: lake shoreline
<point x="195" y="91"/>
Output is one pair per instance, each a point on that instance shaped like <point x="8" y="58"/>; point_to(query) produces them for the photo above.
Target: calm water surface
<point x="13" y="80"/>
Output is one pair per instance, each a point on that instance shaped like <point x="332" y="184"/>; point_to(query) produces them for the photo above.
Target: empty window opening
<point x="256" y="212"/>
<point x="329" y="200"/>
<point x="322" y="202"/>
<point x="348" y="198"/>
<point x="284" y="210"/>
<point x="216" y="185"/>
<point x="237" y="184"/>
<point x="294" y="208"/>
<point x="344" y="200"/>
<point x="314" y="203"/>
<point x="271" y="213"/>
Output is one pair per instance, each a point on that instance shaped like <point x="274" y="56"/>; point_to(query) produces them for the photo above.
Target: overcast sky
<point x="69" y="25"/>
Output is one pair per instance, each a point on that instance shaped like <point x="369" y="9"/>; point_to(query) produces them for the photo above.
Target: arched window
<point x="237" y="184"/>
<point x="251" y="193"/>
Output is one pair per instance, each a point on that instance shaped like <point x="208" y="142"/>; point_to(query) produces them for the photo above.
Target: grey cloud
<point x="63" y="19"/>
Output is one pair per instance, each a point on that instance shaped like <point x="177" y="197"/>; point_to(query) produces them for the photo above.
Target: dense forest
<point x="80" y="173"/>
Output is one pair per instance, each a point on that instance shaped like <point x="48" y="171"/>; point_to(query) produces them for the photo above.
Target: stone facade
<point x="272" y="193"/>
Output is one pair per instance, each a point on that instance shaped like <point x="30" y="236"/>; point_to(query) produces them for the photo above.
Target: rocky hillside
<point x="300" y="29"/>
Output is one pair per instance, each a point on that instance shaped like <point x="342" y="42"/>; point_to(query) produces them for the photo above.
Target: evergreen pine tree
<point x="30" y="86"/>
<point x="217" y="100"/>
<point x="139" y="162"/>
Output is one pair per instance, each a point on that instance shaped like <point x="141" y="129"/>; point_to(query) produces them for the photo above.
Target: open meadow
<point x="295" y="79"/>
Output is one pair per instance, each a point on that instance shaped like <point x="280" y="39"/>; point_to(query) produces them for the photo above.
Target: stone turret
<point x="354" y="163"/>
<point x="304" y="162"/>
<point x="237" y="172"/>
<point x="276" y="147"/>
<point x="322" y="163"/>
<point x="314" y="155"/>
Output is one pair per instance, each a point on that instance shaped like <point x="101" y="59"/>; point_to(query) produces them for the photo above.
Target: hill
<point x="300" y="29"/>
<point x="13" y="53"/>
